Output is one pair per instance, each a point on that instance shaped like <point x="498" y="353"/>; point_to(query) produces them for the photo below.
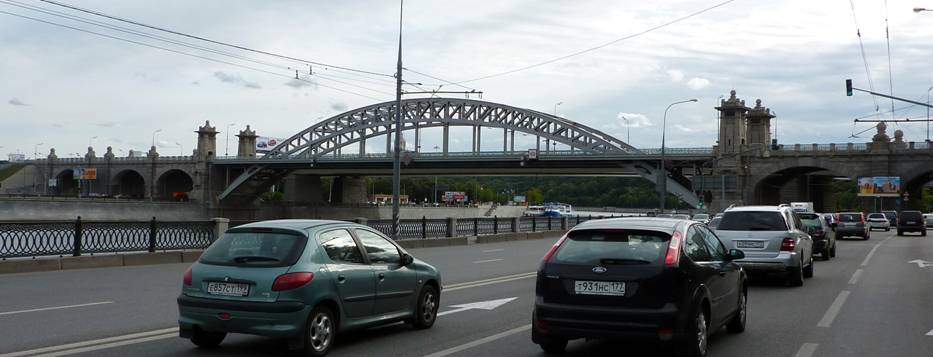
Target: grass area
<point x="11" y="170"/>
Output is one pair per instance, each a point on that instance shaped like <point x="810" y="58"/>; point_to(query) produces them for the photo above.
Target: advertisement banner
<point x="455" y="197"/>
<point x="518" y="199"/>
<point x="879" y="186"/>
<point x="89" y="174"/>
<point x="265" y="143"/>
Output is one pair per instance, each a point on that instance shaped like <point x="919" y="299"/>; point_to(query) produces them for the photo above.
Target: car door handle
<point x="382" y="276"/>
<point x="341" y="279"/>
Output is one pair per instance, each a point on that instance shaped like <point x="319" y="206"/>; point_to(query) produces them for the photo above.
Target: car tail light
<point x="672" y="259"/>
<point x="553" y="249"/>
<point x="789" y="244"/>
<point x="862" y="217"/>
<point x="187" y="278"/>
<point x="292" y="281"/>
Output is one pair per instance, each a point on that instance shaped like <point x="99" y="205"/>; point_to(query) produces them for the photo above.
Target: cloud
<point x="108" y="124"/>
<point x="684" y="128"/>
<point x="676" y="76"/>
<point x="16" y="101"/>
<point x="698" y="83"/>
<point x="633" y="120"/>
<point x="338" y="107"/>
<point x="235" y="79"/>
<point x="166" y="144"/>
<point x="298" y="84"/>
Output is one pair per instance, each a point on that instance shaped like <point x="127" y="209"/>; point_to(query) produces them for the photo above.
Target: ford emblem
<point x="599" y="270"/>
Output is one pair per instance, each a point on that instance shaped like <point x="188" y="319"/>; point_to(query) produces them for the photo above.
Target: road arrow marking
<point x="921" y="263"/>
<point x="930" y="333"/>
<point x="481" y="305"/>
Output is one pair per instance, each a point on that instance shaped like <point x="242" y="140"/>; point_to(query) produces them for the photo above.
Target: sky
<point x="66" y="89"/>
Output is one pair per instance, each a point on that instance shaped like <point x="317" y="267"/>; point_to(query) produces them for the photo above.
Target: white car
<point x="928" y="217"/>
<point x="878" y="220"/>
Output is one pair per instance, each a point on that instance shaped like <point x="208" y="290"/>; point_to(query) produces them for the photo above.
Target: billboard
<point x="265" y="143"/>
<point x="518" y="199"/>
<point x="879" y="186"/>
<point x="455" y="197"/>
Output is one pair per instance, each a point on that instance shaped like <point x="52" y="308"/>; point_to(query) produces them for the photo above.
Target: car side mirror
<point x="735" y="254"/>
<point x="407" y="259"/>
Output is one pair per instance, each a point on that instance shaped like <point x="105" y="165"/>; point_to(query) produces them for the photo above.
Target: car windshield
<point x="261" y="249"/>
<point x="811" y="223"/>
<point x="714" y="223"/>
<point x="752" y="221"/>
<point x="850" y="217"/>
<point x="890" y="214"/>
<point x="616" y="247"/>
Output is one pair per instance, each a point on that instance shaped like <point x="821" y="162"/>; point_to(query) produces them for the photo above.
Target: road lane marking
<point x="806" y="350"/>
<point x="834" y="309"/>
<point x="487" y="261"/>
<point x="110" y="345"/>
<point x="480" y="305"/>
<point x="481" y="341"/>
<point x="493" y="250"/>
<point x="173" y="331"/>
<point x="55" y="308"/>
<point x="872" y="252"/>
<point x="496" y="280"/>
<point x="930" y="333"/>
<point x="855" y="276"/>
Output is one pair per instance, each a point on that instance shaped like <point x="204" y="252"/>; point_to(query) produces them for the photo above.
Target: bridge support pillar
<point x="303" y="189"/>
<point x="348" y="189"/>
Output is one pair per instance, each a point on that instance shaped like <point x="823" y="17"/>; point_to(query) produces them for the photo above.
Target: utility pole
<point x="396" y="163"/>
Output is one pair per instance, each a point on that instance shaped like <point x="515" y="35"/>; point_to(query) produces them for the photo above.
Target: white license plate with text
<point x="227" y="289"/>
<point x="613" y="288"/>
<point x="749" y="244"/>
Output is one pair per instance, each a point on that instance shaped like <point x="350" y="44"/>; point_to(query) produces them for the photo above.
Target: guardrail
<point x="75" y="238"/>
<point x="79" y="237"/>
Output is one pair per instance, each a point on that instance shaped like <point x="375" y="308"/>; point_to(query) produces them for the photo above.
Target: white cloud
<point x="16" y="101"/>
<point x="236" y="79"/>
<point x="633" y="120"/>
<point x="697" y="83"/>
<point x="676" y="76"/>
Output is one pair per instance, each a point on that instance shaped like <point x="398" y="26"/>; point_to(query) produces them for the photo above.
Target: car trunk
<point x="228" y="281"/>
<point x="645" y="286"/>
<point x="755" y="244"/>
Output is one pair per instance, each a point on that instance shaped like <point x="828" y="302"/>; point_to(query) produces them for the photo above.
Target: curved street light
<point x="662" y="173"/>
<point x="153" y="136"/>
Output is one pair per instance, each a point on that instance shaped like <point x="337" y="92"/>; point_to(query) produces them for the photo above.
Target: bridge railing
<point x="78" y="237"/>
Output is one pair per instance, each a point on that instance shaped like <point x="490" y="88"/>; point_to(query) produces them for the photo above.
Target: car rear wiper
<point x="253" y="258"/>
<point x="617" y="261"/>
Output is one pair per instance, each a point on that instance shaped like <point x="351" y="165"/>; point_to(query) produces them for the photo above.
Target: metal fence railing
<point x="30" y="239"/>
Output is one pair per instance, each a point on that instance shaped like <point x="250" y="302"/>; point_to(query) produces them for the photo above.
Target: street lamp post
<point x="154" y="134"/>
<point x="555" y="107"/>
<point x="227" y="141"/>
<point x="662" y="173"/>
<point x="628" y="131"/>
<point x="928" y="115"/>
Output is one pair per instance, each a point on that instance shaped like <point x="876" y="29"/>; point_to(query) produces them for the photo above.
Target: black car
<point x="911" y="221"/>
<point x="824" y="238"/>
<point x="639" y="278"/>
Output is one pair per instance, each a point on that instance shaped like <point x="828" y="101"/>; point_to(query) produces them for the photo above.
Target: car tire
<point x="887" y="229"/>
<point x="550" y="345"/>
<point x="808" y="271"/>
<point x="207" y="339"/>
<point x="696" y="337"/>
<point x="737" y="323"/>
<point x="826" y="254"/>
<point x="866" y="237"/>
<point x="795" y="276"/>
<point x="426" y="309"/>
<point x="832" y="252"/>
<point x="320" y="332"/>
<point x="900" y="232"/>
<point x="923" y="233"/>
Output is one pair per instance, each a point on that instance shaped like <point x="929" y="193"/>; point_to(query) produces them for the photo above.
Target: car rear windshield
<point x="613" y="247"/>
<point x="254" y="248"/>
<point x="850" y="217"/>
<point x="876" y="215"/>
<point x="752" y="221"/>
<point x="701" y="216"/>
<point x="911" y="215"/>
<point x="714" y="223"/>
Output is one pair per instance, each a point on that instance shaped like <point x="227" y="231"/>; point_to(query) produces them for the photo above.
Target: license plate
<point x="613" y="288"/>
<point x="228" y="289"/>
<point x="749" y="244"/>
<point x="848" y="224"/>
<point x="911" y="222"/>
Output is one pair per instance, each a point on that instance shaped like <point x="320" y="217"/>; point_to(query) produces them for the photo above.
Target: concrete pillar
<point x="247" y="143"/>
<point x="512" y="141"/>
<point x="348" y="189"/>
<point x="505" y="139"/>
<point x="303" y="189"/>
<point x="564" y="223"/>
<point x="220" y="226"/>
<point x="516" y="224"/>
<point x="446" y="137"/>
<point x="451" y="227"/>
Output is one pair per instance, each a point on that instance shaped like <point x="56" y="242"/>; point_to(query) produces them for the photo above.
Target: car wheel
<point x="320" y="332"/>
<point x="923" y="233"/>
<point x="832" y="252"/>
<point x="900" y="232"/>
<point x="826" y="254"/>
<point x="887" y="229"/>
<point x="808" y="271"/>
<point x="696" y="337"/>
<point x="426" y="310"/>
<point x="550" y="345"/>
<point x="737" y="324"/>
<point x="795" y="275"/>
<point x="207" y="339"/>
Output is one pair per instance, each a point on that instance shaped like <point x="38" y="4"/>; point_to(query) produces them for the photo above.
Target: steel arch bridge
<point x="356" y="126"/>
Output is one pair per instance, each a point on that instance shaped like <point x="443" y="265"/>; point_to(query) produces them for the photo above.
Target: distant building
<point x="17" y="157"/>
<point x="136" y="153"/>
<point x="387" y="199"/>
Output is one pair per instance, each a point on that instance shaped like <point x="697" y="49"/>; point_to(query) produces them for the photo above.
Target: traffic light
<point x="848" y="87"/>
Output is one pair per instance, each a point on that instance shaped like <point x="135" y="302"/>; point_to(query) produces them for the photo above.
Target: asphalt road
<point x="868" y="301"/>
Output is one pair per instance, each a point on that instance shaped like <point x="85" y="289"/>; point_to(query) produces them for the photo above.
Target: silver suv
<point x="772" y="238"/>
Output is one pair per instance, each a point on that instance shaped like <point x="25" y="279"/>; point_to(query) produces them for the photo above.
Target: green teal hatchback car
<point x="306" y="281"/>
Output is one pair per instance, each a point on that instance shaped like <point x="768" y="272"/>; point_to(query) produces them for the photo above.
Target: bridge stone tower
<point x="207" y="141"/>
<point x="759" y="125"/>
<point x="733" y="133"/>
<point x="204" y="154"/>
<point x="247" y="143"/>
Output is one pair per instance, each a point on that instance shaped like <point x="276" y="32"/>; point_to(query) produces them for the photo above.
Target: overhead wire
<point x="594" y="48"/>
<point x="858" y="32"/>
<point x="887" y="35"/>
<point x="201" y="38"/>
<point x="178" y="52"/>
<point x="438" y="79"/>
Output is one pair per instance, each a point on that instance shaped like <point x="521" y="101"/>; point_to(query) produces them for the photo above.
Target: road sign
<point x="532" y="154"/>
<point x="53" y="183"/>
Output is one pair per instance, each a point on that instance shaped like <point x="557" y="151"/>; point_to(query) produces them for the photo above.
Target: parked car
<point x="649" y="278"/>
<point x="713" y="223"/>
<point x="701" y="217"/>
<point x="878" y="220"/>
<point x="928" y="217"/>
<point x="892" y="217"/>
<point x="772" y="238"/>
<point x="680" y="216"/>
<point x="852" y="224"/>
<point x="824" y="238"/>
<point x="304" y="280"/>
<point x="911" y="221"/>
